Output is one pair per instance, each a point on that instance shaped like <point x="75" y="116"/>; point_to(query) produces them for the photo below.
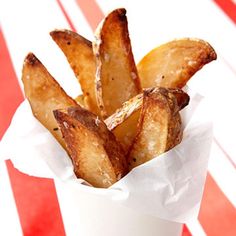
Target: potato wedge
<point x="44" y="94"/>
<point x="79" y="53"/>
<point x="159" y="127"/>
<point x="172" y="64"/>
<point x="80" y="100"/>
<point x="123" y="123"/>
<point x="96" y="155"/>
<point x="117" y="79"/>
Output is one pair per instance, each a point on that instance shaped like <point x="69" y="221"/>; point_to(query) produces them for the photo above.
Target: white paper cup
<point x="88" y="214"/>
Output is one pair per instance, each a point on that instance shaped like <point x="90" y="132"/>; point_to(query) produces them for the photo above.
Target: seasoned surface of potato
<point x="117" y="79"/>
<point x="44" y="94"/>
<point x="79" y="53"/>
<point x="97" y="156"/>
<point x="172" y="64"/>
<point x="123" y="123"/>
<point x="159" y="127"/>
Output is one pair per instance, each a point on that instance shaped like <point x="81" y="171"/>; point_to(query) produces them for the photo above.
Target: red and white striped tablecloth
<point x="31" y="206"/>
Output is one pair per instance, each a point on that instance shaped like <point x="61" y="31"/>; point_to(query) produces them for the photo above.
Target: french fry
<point x="172" y="64"/>
<point x="44" y="94"/>
<point x="79" y="54"/>
<point x="159" y="127"/>
<point x="123" y="123"/>
<point x="96" y="155"/>
<point x="117" y="79"/>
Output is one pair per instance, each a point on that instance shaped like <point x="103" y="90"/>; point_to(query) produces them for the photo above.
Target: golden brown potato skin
<point x="117" y="78"/>
<point x="44" y="94"/>
<point x="97" y="156"/>
<point x="159" y="127"/>
<point x="79" y="53"/>
<point x="172" y="64"/>
<point x="123" y="123"/>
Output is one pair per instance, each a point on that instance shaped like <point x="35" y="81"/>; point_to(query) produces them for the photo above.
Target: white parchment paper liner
<point x="169" y="187"/>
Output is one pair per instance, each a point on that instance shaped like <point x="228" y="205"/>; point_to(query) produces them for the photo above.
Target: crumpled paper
<point x="169" y="187"/>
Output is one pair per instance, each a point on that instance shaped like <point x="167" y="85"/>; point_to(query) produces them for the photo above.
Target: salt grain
<point x="65" y="124"/>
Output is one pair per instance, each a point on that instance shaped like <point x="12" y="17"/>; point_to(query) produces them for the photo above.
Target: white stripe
<point x="223" y="173"/>
<point x="9" y="219"/>
<point x="195" y="228"/>
<point x="26" y="27"/>
<point x="79" y="21"/>
<point x="217" y="83"/>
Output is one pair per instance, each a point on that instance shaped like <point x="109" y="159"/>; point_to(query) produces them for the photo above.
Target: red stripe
<point x="91" y="11"/>
<point x="37" y="204"/>
<point x="35" y="198"/>
<point x="11" y="95"/>
<point x="229" y="7"/>
<point x="217" y="214"/>
<point x="66" y="15"/>
<point x="186" y="232"/>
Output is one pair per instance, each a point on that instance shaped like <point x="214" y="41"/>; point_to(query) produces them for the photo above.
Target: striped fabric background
<point x="30" y="205"/>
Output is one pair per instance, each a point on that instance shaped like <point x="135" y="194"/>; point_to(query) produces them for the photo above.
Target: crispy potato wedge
<point x="172" y="64"/>
<point x="96" y="155"/>
<point x="159" y="127"/>
<point x="117" y="79"/>
<point x="79" y="53"/>
<point x="44" y="94"/>
<point x="123" y="123"/>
